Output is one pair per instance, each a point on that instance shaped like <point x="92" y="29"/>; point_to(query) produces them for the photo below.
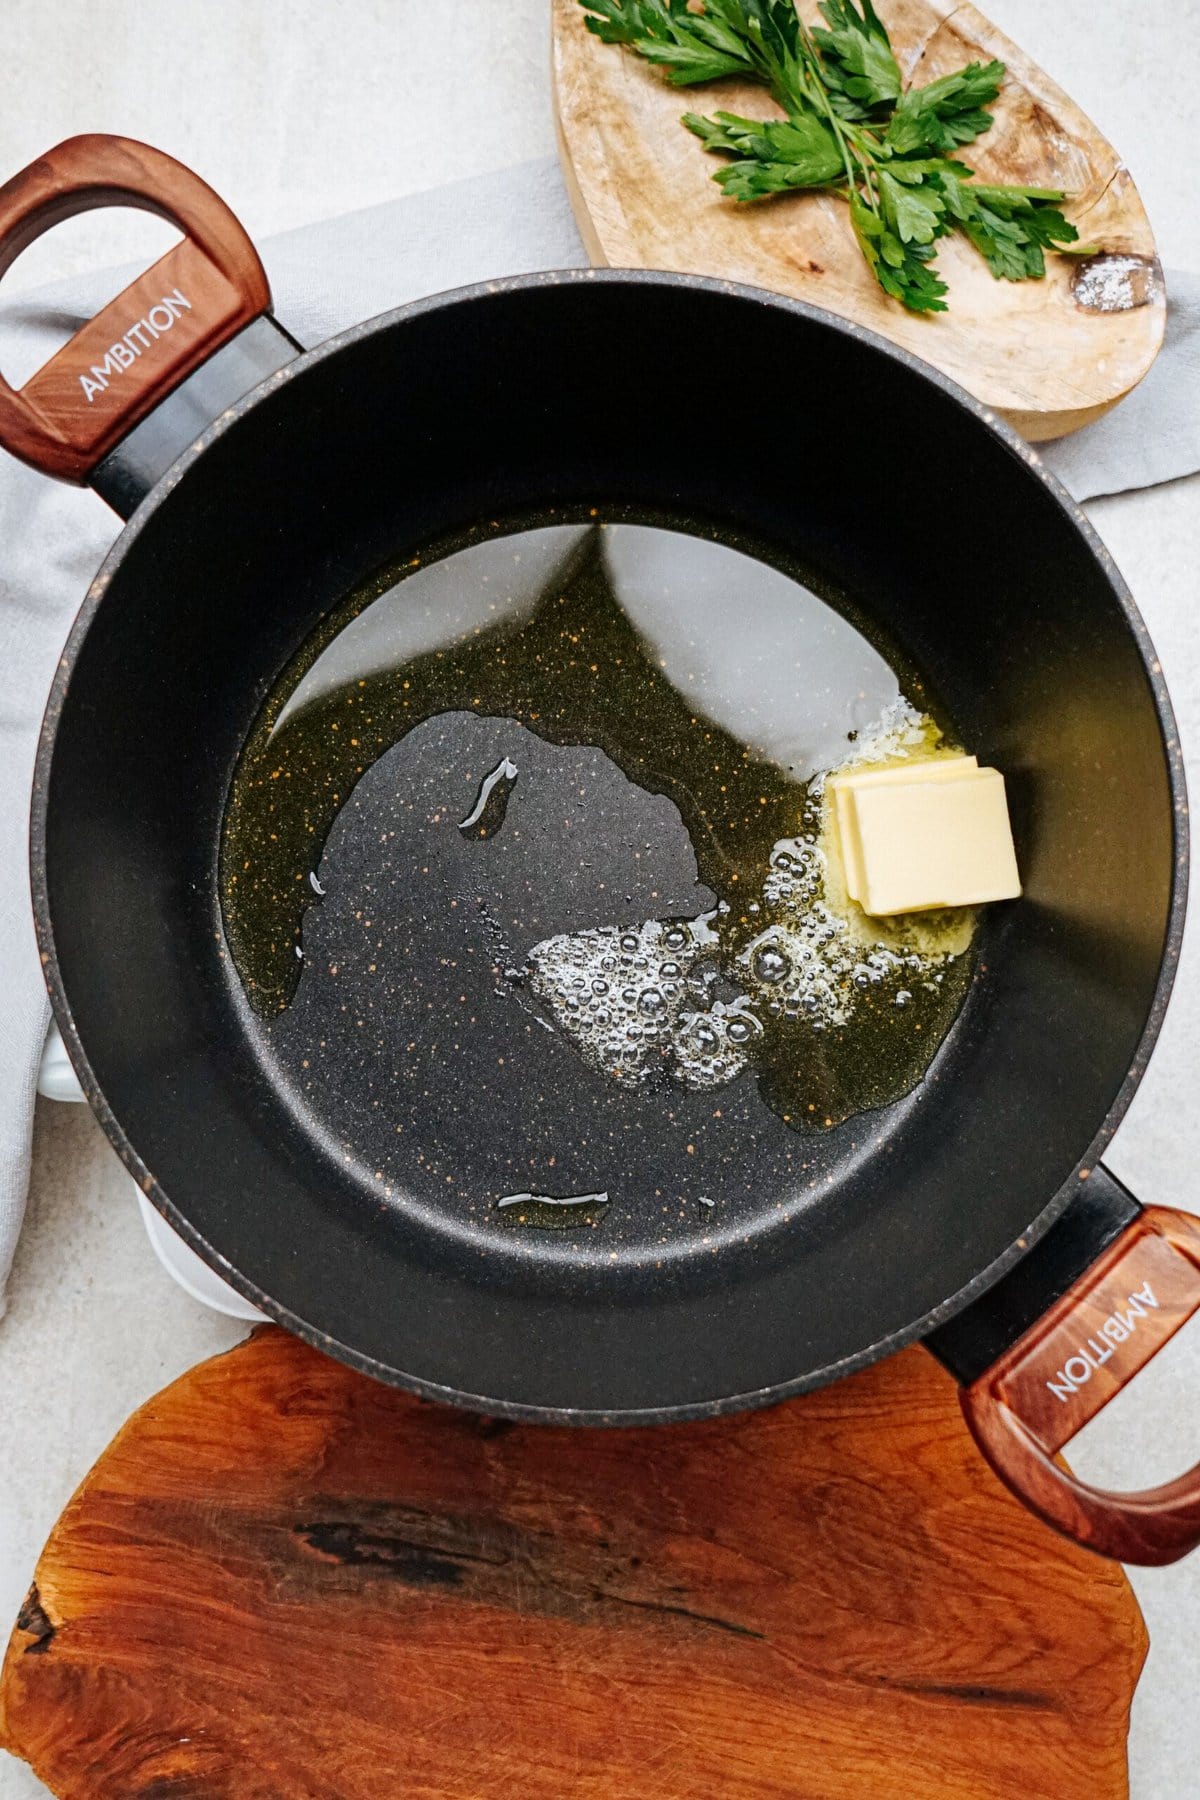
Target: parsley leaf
<point x="1012" y="227"/>
<point x="900" y="271"/>
<point x="859" y="66"/>
<point x="946" y="113"/>
<point x="774" y="155"/>
<point x="689" y="46"/>
<point x="914" y="211"/>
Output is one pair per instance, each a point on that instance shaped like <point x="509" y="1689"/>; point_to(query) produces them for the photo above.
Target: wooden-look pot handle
<point x="1043" y="1390"/>
<point x="119" y="366"/>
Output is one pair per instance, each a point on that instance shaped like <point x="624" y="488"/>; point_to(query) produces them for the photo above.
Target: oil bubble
<point x="771" y="965"/>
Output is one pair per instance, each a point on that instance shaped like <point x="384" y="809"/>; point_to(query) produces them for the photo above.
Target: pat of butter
<point x="841" y="787"/>
<point x="929" y="840"/>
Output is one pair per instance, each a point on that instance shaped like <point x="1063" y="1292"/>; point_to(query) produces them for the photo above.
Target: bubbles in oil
<point x="641" y="1006"/>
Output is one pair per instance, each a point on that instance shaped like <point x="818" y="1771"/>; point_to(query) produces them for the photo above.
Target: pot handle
<point x="117" y="368"/>
<point x="1061" y="1372"/>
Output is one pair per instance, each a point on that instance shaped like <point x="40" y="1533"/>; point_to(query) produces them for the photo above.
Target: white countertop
<point x="299" y="112"/>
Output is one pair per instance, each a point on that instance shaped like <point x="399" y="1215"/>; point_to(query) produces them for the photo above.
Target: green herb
<point x="848" y="128"/>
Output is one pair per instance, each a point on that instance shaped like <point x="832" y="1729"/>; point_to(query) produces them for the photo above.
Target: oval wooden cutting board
<point x="284" y="1581"/>
<point x="1049" y="355"/>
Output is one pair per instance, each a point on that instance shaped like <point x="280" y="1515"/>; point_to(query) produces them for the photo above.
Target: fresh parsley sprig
<point x="848" y="128"/>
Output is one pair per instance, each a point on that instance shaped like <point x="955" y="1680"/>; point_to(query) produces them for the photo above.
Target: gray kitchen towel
<point x="323" y="278"/>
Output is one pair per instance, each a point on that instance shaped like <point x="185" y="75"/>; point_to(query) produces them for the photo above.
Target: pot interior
<point x="651" y="397"/>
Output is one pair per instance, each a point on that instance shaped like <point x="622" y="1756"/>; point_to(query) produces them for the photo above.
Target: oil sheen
<point x="534" y="826"/>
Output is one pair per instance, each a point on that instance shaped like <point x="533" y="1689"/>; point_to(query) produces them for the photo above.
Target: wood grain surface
<point x="1066" y="1369"/>
<point x="120" y="364"/>
<point x="1048" y="354"/>
<point x="283" y="1579"/>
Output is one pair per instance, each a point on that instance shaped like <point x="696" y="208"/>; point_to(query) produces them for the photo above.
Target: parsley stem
<point x="847" y="156"/>
<point x="856" y="165"/>
<point x="810" y="67"/>
<point x="864" y="151"/>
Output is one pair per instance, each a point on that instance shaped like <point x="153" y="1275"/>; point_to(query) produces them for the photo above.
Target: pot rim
<point x="988" y="419"/>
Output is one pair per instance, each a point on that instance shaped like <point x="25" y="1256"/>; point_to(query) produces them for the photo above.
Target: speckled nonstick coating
<point x="744" y="410"/>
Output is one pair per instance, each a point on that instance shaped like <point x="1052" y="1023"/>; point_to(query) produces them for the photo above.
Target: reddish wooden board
<point x="284" y="1580"/>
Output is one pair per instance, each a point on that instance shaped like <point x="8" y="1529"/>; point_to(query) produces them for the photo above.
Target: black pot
<point x="261" y="484"/>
